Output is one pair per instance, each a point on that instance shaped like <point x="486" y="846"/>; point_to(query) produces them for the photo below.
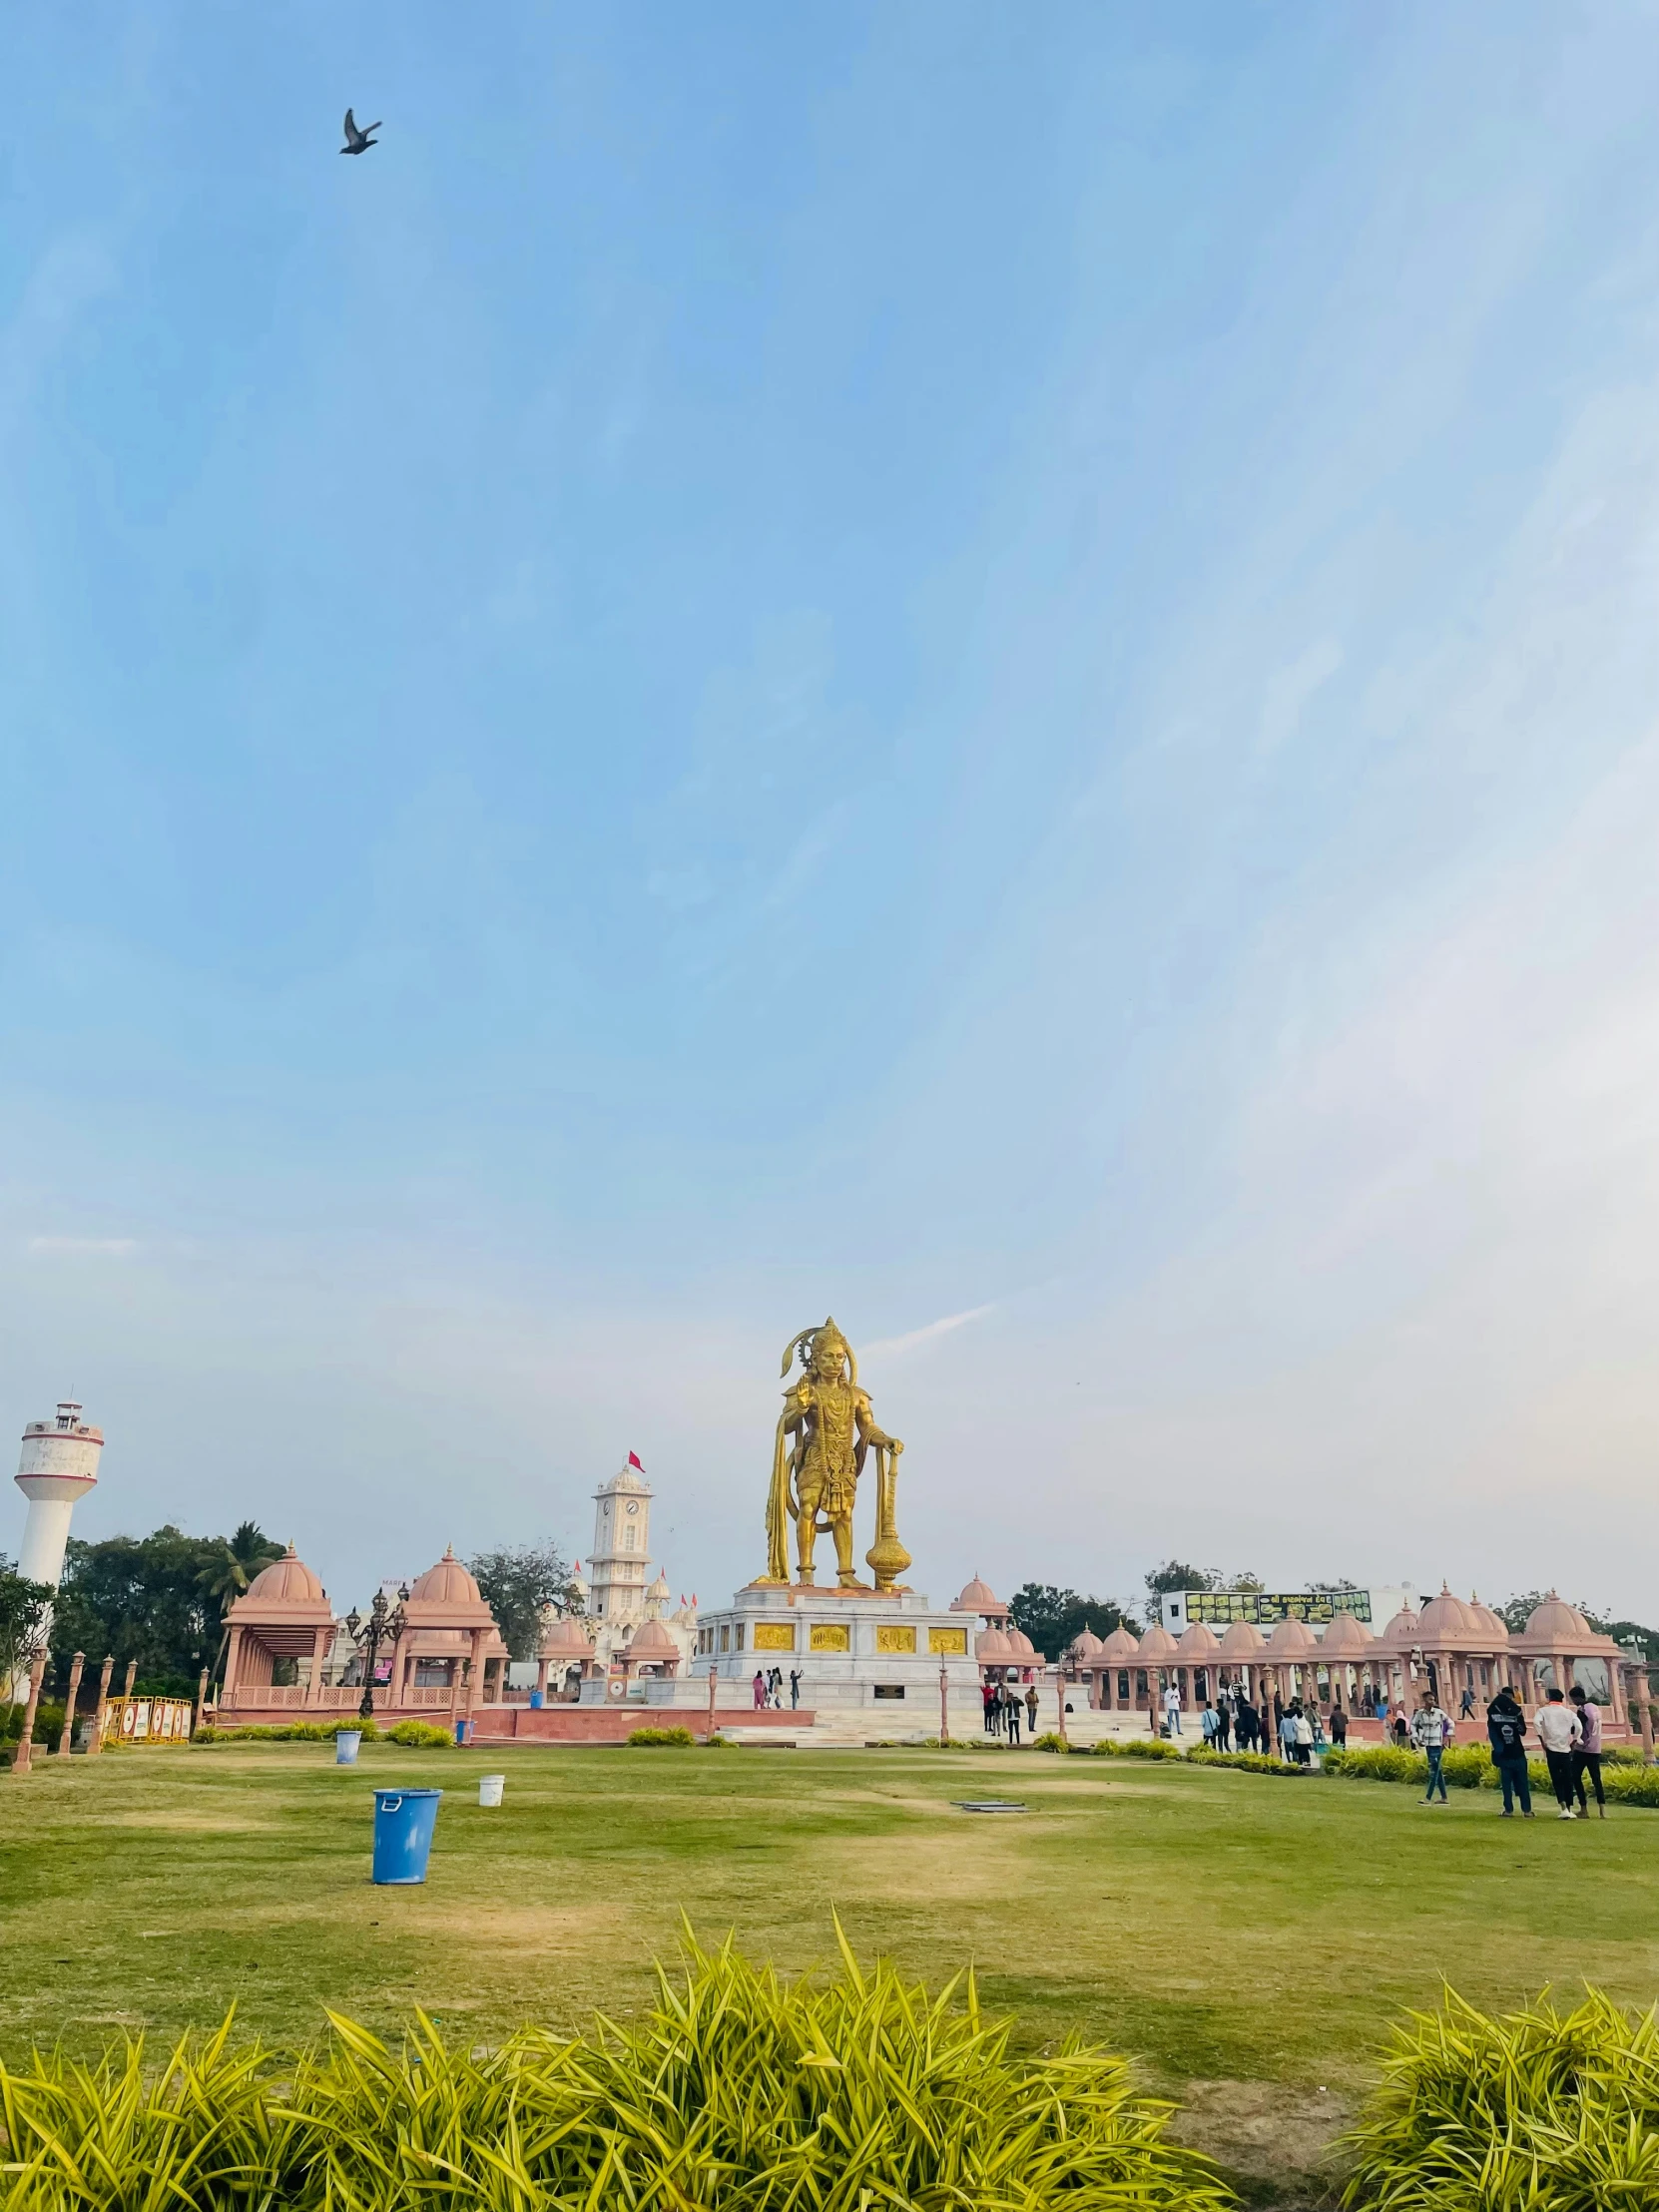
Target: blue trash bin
<point x="347" y="1741"/>
<point x="404" y="1824"/>
<point x="461" y="1728"/>
<point x="537" y="1701"/>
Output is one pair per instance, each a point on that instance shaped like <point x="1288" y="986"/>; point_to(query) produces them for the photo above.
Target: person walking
<point x="760" y="1688"/>
<point x="988" y="1692"/>
<point x="1430" y="1732"/>
<point x="1558" y="1731"/>
<point x="1172" y="1709"/>
<point x="795" y="1689"/>
<point x="1304" y="1738"/>
<point x="1465" y="1705"/>
<point x="1586" y="1755"/>
<point x="1031" y="1705"/>
<point x="1286" y="1736"/>
<point x="1224" y="1721"/>
<point x="1338" y="1727"/>
<point x="1506" y="1733"/>
<point x="1013" y="1711"/>
<point x="1401" y="1728"/>
<point x="1246" y="1724"/>
<point x="1209" y="1725"/>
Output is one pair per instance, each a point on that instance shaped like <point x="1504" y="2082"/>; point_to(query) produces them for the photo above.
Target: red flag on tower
<point x="634" y="1461"/>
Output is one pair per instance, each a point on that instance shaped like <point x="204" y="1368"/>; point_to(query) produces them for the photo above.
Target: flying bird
<point x="357" y="142"/>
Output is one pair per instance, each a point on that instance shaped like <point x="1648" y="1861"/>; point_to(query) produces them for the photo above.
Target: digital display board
<point x="1265" y="1608"/>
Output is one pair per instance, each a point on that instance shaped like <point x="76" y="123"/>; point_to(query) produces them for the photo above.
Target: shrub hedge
<point x="738" y="2090"/>
<point x="286" y="1732"/>
<point x="682" y="1737"/>
<point x="1250" y="1761"/>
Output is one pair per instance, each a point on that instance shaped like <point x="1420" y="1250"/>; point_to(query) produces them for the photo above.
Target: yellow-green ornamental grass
<point x="1538" y="2111"/>
<point x="736" y="2090"/>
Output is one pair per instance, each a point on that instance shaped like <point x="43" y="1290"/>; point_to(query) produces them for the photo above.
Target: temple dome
<point x="564" y="1638"/>
<point x="1199" y="1642"/>
<point x="652" y="1640"/>
<point x="1087" y="1645"/>
<point x="1447" y="1621"/>
<point x="1345" y="1637"/>
<point x="978" y="1597"/>
<point x="448" y="1583"/>
<point x="287" y="1581"/>
<point x="1290" y="1638"/>
<point x="1120" y="1644"/>
<point x="1157" y="1643"/>
<point x="1241" y="1640"/>
<point x="1556" y="1618"/>
<point x="660" y="1588"/>
<point x="1494" y="1624"/>
<point x="992" y="1648"/>
<point x="1402" y="1630"/>
<point x="1020" y="1644"/>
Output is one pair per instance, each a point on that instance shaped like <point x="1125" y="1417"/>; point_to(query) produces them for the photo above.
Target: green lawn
<point x="1219" y="1924"/>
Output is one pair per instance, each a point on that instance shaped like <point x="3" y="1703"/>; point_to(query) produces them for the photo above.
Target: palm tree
<point x="226" y="1578"/>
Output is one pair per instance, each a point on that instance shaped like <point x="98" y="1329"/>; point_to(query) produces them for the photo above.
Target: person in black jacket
<point x="1506" y="1730"/>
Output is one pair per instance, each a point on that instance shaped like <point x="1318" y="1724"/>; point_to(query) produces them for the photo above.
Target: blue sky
<point x="927" y="661"/>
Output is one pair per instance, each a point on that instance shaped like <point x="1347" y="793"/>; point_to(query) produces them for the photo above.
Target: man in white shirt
<point x="1432" y="1731"/>
<point x="1172" y="1709"/>
<point x="1558" y="1729"/>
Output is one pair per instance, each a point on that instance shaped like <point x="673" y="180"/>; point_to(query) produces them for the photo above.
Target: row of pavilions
<point x="1452" y="1646"/>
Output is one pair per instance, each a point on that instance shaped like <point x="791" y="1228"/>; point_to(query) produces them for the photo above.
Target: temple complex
<point x="1458" y="1649"/>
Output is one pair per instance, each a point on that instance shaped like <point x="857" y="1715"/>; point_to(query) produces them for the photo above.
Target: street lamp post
<point x="382" y="1626"/>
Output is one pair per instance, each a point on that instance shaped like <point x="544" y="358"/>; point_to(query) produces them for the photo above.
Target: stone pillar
<point x="201" y="1696"/>
<point x="26" y="1742"/>
<point x="541" y="1679"/>
<point x="475" y="1671"/>
<point x="1060" y="1686"/>
<point x="233" y="1668"/>
<point x="132" y="1677"/>
<point x="944" y="1705"/>
<point x="714" y="1680"/>
<point x="97" y="1743"/>
<point x="69" y="1705"/>
<point x="321" y="1642"/>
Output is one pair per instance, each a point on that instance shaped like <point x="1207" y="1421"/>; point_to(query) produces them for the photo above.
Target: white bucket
<point x="490" y="1786"/>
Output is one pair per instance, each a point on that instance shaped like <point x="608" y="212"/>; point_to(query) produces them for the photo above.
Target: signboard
<point x="1265" y="1608"/>
<point x="147" y="1720"/>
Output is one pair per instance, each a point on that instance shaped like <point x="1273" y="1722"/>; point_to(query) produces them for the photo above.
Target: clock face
<point x="634" y="1506"/>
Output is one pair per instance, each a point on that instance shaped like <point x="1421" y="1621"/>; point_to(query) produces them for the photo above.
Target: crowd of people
<point x="1568" y="1730"/>
<point x="1007" y="1706"/>
<point x="769" y="1688"/>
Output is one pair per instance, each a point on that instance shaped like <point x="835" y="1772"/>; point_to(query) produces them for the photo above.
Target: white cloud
<point x="85" y="1248"/>
<point x="891" y="1347"/>
<point x="1290" y="688"/>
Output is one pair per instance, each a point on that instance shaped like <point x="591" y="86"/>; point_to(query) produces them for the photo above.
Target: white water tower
<point x="58" y="1467"/>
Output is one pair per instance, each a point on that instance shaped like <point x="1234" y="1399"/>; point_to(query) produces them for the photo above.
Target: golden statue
<point x="814" y="1481"/>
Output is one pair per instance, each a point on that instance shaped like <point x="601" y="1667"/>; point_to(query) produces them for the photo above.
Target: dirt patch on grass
<point x="1274" y="2137"/>
<point x="977" y="1858"/>
<point x="181" y="1823"/>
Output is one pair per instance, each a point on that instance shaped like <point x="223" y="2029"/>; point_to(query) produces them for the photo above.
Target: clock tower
<point x="621" y="1554"/>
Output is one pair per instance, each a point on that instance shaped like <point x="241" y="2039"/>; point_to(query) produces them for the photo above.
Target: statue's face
<point x="827" y="1359"/>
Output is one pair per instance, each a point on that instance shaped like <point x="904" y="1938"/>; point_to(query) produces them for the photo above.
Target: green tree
<point x="143" y="1598"/>
<point x="519" y="1582"/>
<point x="1055" y="1618"/>
<point x="1172" y="1575"/>
<point x="23" y="1607"/>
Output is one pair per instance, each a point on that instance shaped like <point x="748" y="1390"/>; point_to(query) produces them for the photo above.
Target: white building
<point x="57" y="1468"/>
<point x="618" y="1595"/>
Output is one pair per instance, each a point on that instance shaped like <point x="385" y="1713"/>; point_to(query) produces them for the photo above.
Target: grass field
<point x="1219" y="1925"/>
